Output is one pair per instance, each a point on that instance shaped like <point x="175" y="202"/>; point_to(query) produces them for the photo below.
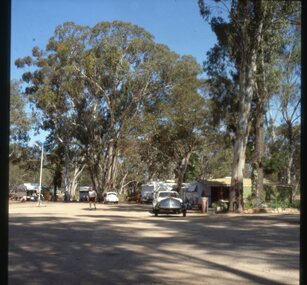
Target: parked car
<point x="111" y="197"/>
<point x="168" y="202"/>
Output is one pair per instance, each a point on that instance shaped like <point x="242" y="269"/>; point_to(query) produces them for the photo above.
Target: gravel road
<point x="66" y="243"/>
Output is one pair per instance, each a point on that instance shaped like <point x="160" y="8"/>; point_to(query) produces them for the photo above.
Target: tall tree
<point x="276" y="35"/>
<point x="288" y="94"/>
<point x="89" y="82"/>
<point x="243" y="38"/>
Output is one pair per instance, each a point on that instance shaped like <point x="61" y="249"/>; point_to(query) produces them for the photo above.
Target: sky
<point x="176" y="23"/>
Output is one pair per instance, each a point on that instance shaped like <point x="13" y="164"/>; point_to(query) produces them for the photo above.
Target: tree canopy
<point x="121" y="109"/>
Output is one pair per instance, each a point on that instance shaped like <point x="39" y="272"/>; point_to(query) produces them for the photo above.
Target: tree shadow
<point x="100" y="248"/>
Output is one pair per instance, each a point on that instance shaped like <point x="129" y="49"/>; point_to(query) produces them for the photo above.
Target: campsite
<point x="152" y="142"/>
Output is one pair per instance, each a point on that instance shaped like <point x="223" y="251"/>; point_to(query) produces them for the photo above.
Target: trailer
<point x="150" y="189"/>
<point x="28" y="192"/>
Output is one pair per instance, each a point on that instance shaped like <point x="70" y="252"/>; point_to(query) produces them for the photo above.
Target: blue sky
<point x="176" y="23"/>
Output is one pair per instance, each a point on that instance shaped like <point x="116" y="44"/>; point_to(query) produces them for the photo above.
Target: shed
<point x="219" y="187"/>
<point x="213" y="189"/>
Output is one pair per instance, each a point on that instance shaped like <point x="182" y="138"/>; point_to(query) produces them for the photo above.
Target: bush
<point x="284" y="204"/>
<point x="278" y="193"/>
<point x="273" y="204"/>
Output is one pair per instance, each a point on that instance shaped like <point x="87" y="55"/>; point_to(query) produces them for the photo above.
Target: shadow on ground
<point x="102" y="248"/>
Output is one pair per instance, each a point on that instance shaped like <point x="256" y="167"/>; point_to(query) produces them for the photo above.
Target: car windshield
<point x="112" y="193"/>
<point x="172" y="194"/>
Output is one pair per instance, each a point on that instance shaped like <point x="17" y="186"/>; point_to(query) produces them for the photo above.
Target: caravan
<point x="193" y="192"/>
<point x="83" y="193"/>
<point x="28" y="192"/>
<point x="149" y="190"/>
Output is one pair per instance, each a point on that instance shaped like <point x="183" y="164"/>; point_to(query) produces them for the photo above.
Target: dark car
<point x="168" y="202"/>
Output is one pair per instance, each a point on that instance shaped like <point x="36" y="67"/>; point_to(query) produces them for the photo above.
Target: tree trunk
<point x="250" y="38"/>
<point x="121" y="190"/>
<point x="236" y="189"/>
<point x="95" y="181"/>
<point x="259" y="150"/>
<point x="257" y="177"/>
<point x="74" y="181"/>
<point x="291" y="151"/>
<point x="95" y="172"/>
<point x="261" y="102"/>
<point x="108" y="181"/>
<point x="56" y="181"/>
<point x="182" y="169"/>
<point x="66" y="170"/>
<point x="246" y="84"/>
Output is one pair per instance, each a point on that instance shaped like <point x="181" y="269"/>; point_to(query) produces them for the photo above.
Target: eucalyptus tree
<point x="288" y="97"/>
<point x="183" y="120"/>
<point x="127" y="68"/>
<point x="87" y="84"/>
<point x="20" y="122"/>
<point x="20" y="125"/>
<point x="176" y="124"/>
<point x="281" y="34"/>
<point x="243" y="38"/>
<point x="53" y="92"/>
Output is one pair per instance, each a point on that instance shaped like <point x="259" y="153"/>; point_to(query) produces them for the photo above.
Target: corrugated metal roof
<point x="226" y="181"/>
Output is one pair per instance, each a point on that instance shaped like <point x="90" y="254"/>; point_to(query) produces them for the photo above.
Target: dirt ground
<point x="66" y="243"/>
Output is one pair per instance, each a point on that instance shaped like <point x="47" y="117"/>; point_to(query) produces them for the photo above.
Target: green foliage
<point x="243" y="73"/>
<point x="172" y="125"/>
<point x="284" y="204"/>
<point x="274" y="205"/>
<point x="194" y="168"/>
<point x="278" y="193"/>
<point x="277" y="196"/>
<point x="216" y="161"/>
<point x="247" y="191"/>
<point x="274" y="163"/>
<point x="94" y="85"/>
<point x="20" y="123"/>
